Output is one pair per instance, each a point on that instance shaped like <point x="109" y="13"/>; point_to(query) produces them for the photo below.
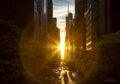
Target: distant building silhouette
<point x="54" y="32"/>
<point x="48" y="33"/>
<point x="69" y="34"/>
<point x="79" y="24"/>
<point x="69" y="18"/>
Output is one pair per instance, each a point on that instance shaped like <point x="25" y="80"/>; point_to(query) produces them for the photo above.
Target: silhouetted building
<point x="69" y="23"/>
<point x="54" y="40"/>
<point x="50" y="12"/>
<point x="68" y="37"/>
<point x="37" y="17"/>
<point x="95" y="19"/>
<point x="79" y="25"/>
<point x="43" y="16"/>
<point x="54" y="22"/>
<point x="45" y="10"/>
<point x="54" y="32"/>
<point x="100" y="20"/>
<point x="19" y="12"/>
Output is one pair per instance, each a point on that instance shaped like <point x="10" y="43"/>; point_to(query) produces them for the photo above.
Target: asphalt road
<point x="68" y="77"/>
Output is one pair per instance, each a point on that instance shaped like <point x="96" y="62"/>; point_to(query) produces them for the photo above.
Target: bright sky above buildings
<point x="60" y="9"/>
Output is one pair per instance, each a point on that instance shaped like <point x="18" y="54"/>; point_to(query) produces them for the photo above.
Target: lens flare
<point x="62" y="44"/>
<point x="61" y="48"/>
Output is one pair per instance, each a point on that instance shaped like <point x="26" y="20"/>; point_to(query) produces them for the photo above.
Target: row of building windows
<point x="88" y="25"/>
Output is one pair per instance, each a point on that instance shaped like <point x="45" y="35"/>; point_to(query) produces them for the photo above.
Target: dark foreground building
<point x="94" y="19"/>
<point x="17" y="12"/>
<point x="24" y="30"/>
<point x="97" y="24"/>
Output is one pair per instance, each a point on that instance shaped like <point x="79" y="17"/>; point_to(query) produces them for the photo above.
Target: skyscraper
<point x="95" y="19"/>
<point x="45" y="8"/>
<point x="69" y="23"/>
<point x="50" y="12"/>
<point x="80" y="6"/>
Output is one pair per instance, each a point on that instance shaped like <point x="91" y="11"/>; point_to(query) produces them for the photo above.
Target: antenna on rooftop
<point x="68" y="7"/>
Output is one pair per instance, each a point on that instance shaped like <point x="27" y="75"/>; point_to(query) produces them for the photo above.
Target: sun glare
<point x="61" y="48"/>
<point x="62" y="44"/>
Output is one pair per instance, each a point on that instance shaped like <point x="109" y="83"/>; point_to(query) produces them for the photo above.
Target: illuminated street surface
<point x="67" y="77"/>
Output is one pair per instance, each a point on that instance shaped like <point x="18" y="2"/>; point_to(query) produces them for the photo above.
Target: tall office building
<point x="96" y="18"/>
<point x="69" y="23"/>
<point x="79" y="24"/>
<point x="54" y="33"/>
<point x="100" y="20"/>
<point x="69" y="26"/>
<point x="45" y="9"/>
<point x="50" y="12"/>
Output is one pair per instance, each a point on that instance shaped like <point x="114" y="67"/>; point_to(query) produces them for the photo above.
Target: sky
<point x="60" y="9"/>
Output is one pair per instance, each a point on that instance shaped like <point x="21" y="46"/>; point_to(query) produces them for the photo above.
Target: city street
<point x="67" y="77"/>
